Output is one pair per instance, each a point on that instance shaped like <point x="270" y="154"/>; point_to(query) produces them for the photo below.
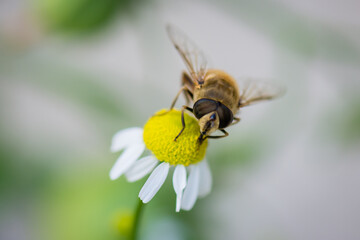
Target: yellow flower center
<point x="160" y="132"/>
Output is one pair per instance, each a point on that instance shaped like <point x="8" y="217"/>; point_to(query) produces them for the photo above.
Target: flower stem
<point x="135" y="229"/>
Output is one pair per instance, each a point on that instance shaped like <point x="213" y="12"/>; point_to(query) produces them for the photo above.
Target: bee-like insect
<point x="215" y="94"/>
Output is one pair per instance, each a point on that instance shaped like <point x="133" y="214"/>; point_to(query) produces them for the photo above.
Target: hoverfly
<point x="215" y="95"/>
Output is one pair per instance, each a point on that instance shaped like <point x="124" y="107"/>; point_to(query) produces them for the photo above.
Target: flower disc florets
<point x="160" y="132"/>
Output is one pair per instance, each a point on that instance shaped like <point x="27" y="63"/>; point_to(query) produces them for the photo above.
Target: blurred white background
<point x="300" y="176"/>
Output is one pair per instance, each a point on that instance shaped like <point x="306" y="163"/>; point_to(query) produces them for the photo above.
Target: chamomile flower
<point x="191" y="177"/>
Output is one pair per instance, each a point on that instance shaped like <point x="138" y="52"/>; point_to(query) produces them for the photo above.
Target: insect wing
<point x="253" y="91"/>
<point x="192" y="56"/>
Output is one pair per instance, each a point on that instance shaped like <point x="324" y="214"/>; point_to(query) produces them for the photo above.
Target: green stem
<point x="137" y="217"/>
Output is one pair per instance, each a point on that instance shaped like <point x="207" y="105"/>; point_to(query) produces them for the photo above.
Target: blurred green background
<point x="72" y="73"/>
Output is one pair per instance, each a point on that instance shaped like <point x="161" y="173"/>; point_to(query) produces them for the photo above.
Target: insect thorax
<point x="220" y="87"/>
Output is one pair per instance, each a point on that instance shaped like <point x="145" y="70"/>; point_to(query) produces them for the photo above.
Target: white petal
<point x="154" y="182"/>
<point x="205" y="182"/>
<point x="179" y="183"/>
<point x="126" y="159"/>
<point x="191" y="190"/>
<point x="125" y="138"/>
<point x="140" y="168"/>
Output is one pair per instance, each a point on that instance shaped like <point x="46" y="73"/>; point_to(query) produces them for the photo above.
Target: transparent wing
<point x="253" y="91"/>
<point x="194" y="59"/>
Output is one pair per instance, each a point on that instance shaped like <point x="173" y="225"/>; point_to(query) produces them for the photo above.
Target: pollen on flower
<point x="160" y="132"/>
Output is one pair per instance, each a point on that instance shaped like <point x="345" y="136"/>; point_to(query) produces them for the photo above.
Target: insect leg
<point x="188" y="96"/>
<point x="187" y="81"/>
<point x="184" y="88"/>
<point x="236" y="120"/>
<point x="221" y="136"/>
<point x="183" y="120"/>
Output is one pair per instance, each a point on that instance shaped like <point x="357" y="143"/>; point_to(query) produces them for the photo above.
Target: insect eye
<point x="213" y="116"/>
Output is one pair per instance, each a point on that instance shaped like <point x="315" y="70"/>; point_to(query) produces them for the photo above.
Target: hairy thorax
<point x="219" y="86"/>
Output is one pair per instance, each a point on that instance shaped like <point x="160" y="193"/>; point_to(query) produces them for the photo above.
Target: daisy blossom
<point x="191" y="177"/>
